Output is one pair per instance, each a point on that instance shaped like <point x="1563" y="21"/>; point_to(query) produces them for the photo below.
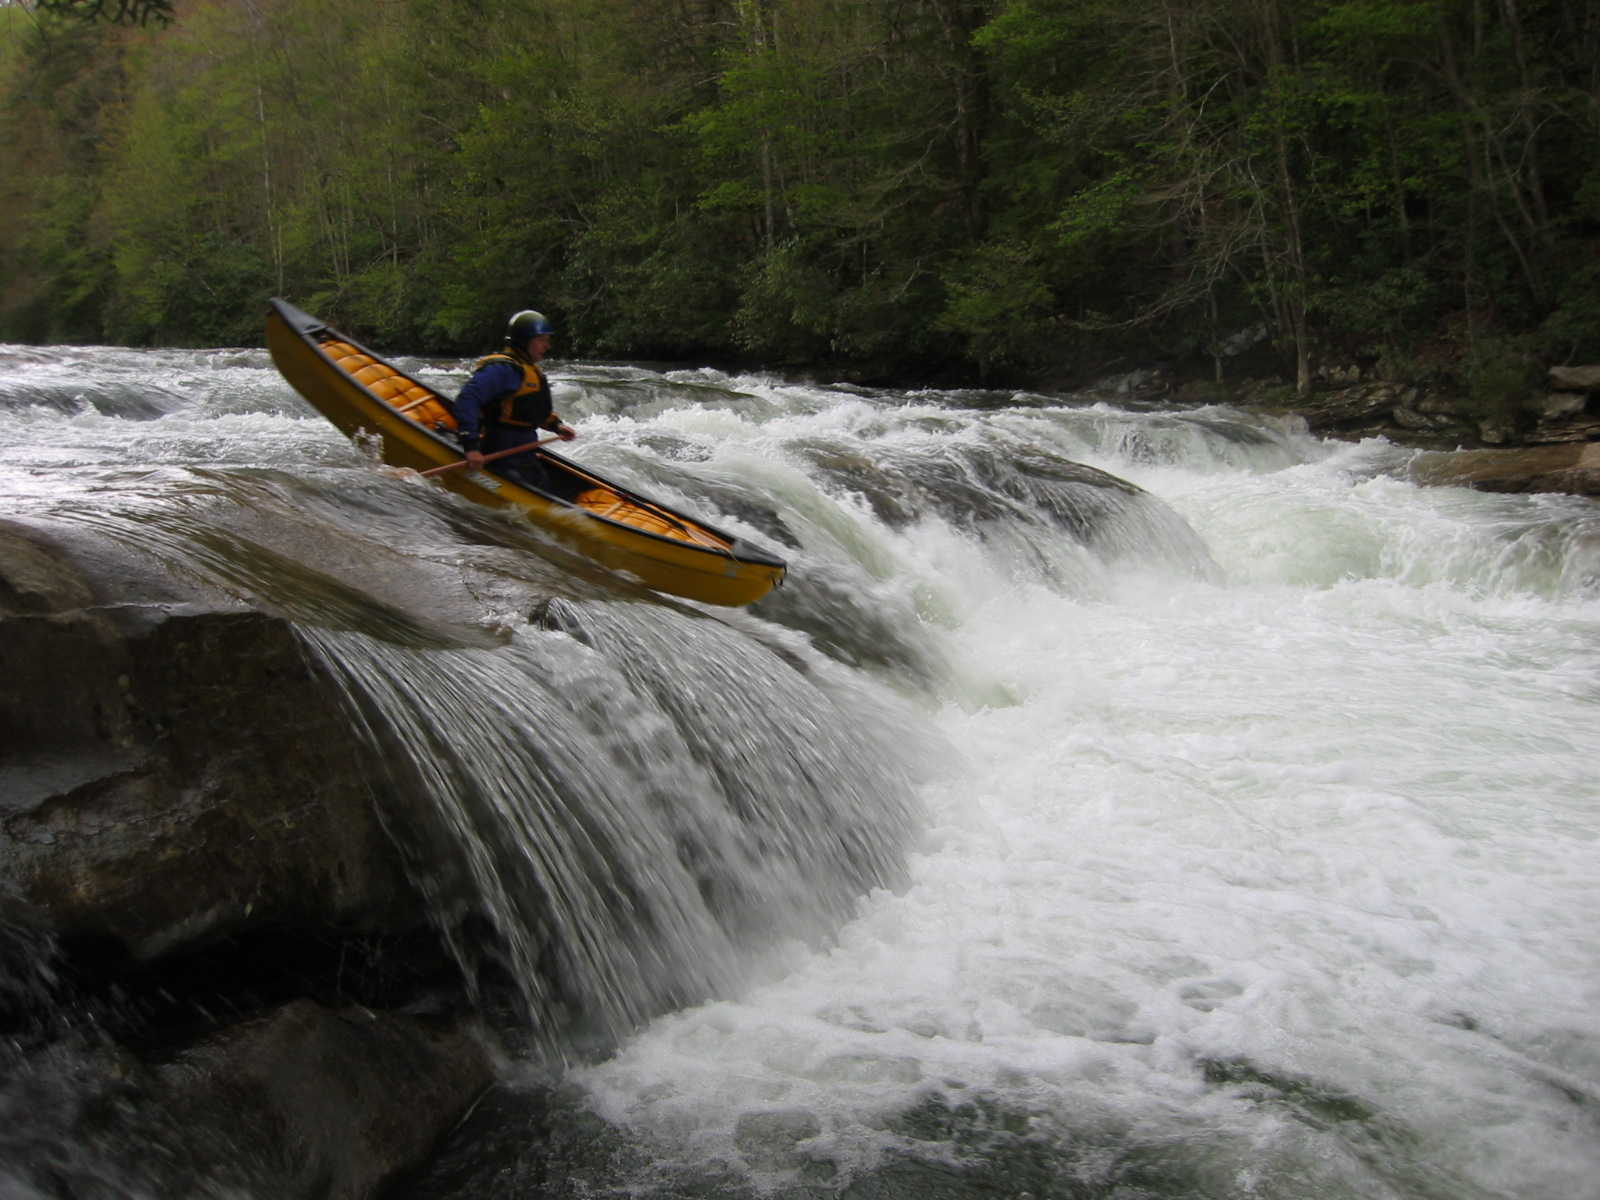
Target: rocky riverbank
<point x="1548" y="440"/>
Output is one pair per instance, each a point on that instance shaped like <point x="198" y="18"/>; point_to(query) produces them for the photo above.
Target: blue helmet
<point x="528" y="324"/>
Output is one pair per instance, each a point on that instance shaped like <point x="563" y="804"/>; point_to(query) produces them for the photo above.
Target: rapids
<point x="1230" y="834"/>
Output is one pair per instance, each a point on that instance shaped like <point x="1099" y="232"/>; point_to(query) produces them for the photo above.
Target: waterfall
<point x="648" y="802"/>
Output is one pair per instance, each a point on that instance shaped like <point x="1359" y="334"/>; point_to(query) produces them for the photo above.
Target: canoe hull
<point x="698" y="562"/>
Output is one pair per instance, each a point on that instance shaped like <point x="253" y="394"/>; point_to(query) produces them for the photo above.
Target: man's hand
<point x="565" y="432"/>
<point x="474" y="460"/>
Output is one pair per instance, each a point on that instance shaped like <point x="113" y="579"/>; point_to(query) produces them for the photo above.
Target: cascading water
<point x="1114" y="802"/>
<point x="639" y="795"/>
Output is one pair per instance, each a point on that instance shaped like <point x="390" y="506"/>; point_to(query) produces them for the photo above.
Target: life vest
<point x="530" y="406"/>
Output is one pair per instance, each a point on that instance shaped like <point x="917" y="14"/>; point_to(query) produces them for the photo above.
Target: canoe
<point x="663" y="548"/>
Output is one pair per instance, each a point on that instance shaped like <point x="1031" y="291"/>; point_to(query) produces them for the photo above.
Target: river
<point x="1232" y="838"/>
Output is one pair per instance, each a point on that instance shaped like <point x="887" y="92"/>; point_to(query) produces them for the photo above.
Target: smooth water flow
<point x="1231" y="836"/>
<point x="633" y="812"/>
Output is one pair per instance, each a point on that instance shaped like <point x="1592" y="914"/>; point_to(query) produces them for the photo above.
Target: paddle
<point x="694" y="535"/>
<point x="522" y="449"/>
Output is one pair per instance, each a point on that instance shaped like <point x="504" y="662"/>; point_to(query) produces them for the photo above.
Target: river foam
<point x="1256" y="848"/>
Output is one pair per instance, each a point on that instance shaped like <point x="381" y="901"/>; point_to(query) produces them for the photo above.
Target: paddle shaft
<point x="507" y="453"/>
<point x="688" y="529"/>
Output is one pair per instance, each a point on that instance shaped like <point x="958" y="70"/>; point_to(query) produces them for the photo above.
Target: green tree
<point x="118" y="12"/>
<point x="62" y="82"/>
<point x="999" y="187"/>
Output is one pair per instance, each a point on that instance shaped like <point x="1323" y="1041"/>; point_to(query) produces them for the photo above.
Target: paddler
<point x="507" y="403"/>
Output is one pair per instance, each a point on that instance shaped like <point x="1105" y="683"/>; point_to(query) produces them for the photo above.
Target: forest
<point x="993" y="191"/>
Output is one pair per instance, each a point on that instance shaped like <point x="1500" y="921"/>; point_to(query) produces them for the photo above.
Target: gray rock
<point x="1435" y="404"/>
<point x="1346" y="409"/>
<point x="1408" y="418"/>
<point x="172" y="771"/>
<point x="1496" y="432"/>
<point x="177" y="783"/>
<point x="1575" y="379"/>
<point x="1427" y="419"/>
<point x="1556" y="406"/>
<point x="302" y="1102"/>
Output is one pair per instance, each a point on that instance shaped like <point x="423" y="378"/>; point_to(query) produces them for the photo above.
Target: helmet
<point x="528" y="324"/>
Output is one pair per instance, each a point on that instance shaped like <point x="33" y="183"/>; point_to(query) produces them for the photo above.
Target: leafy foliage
<point x="995" y="188"/>
<point x="123" y="12"/>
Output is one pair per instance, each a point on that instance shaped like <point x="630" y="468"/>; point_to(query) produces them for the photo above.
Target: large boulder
<point x="303" y="1101"/>
<point x="174" y="770"/>
<point x="202" y="875"/>
<point x="1573" y="468"/>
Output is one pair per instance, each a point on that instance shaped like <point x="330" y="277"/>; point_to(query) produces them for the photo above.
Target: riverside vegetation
<point x="1003" y="191"/>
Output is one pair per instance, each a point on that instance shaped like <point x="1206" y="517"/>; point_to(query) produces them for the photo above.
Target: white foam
<point x="1332" y="818"/>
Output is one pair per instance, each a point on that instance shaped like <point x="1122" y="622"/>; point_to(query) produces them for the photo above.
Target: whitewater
<point x="1253" y="845"/>
<point x="1272" y="880"/>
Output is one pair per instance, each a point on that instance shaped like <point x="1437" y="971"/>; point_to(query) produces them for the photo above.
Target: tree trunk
<point x="1295" y="288"/>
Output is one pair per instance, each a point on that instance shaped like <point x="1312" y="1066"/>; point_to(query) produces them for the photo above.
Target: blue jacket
<point x="479" y="406"/>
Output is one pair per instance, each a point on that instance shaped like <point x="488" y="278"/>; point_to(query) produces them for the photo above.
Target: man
<point x="507" y="403"/>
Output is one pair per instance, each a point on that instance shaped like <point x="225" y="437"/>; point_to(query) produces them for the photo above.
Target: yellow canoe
<point x="663" y="548"/>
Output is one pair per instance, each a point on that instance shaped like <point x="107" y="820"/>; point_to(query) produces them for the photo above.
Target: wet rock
<point x="303" y="1102"/>
<point x="190" y="840"/>
<point x="1570" y="468"/>
<point x="172" y="769"/>
<point x="29" y="981"/>
<point x="532" y="1140"/>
